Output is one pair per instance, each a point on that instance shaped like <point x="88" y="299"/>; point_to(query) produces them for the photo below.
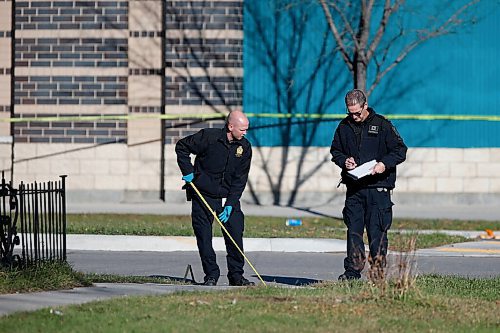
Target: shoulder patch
<point x="395" y="131"/>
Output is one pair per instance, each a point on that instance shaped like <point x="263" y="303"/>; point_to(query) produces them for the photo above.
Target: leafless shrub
<point x="398" y="279"/>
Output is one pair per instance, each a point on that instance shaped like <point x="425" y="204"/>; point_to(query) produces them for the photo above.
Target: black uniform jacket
<point x="220" y="168"/>
<point x="374" y="139"/>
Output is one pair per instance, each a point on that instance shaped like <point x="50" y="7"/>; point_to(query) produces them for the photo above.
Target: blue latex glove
<point x="188" y="178"/>
<point x="224" y="216"/>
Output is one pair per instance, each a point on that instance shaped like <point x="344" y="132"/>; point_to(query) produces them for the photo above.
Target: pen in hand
<point x="350" y="163"/>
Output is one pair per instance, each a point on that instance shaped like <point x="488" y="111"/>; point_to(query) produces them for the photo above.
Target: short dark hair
<point x="355" y="96"/>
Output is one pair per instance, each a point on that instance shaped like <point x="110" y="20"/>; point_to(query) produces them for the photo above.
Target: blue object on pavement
<point x="224" y="216"/>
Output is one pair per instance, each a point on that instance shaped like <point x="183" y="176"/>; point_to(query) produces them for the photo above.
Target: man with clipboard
<point x="360" y="138"/>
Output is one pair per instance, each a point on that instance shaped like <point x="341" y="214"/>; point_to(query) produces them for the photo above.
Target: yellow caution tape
<point x="390" y="116"/>
<point x="329" y="116"/>
<point x="111" y="117"/>
<point x="443" y="117"/>
<point x="225" y="230"/>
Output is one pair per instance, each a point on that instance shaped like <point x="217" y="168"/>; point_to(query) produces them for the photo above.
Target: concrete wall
<point x="131" y="173"/>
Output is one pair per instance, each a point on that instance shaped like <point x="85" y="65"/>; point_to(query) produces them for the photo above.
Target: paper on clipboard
<point x="363" y="170"/>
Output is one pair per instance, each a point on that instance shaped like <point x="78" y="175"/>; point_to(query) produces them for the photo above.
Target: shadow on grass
<point x="318" y="214"/>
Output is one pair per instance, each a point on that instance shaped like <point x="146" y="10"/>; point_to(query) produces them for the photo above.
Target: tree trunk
<point x="359" y="75"/>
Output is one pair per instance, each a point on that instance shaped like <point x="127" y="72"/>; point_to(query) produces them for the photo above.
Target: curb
<point x="124" y="243"/>
<point x="187" y="243"/>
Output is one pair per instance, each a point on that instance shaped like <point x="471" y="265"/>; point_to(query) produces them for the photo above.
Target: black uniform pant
<point x="369" y="208"/>
<point x="202" y="221"/>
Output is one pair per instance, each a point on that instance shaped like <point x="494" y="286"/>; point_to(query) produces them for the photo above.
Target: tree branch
<point x="388" y="10"/>
<point x="347" y="25"/>
<point x="424" y="36"/>
<point x="336" y="35"/>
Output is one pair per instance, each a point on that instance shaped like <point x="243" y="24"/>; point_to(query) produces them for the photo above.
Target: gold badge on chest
<point x="239" y="151"/>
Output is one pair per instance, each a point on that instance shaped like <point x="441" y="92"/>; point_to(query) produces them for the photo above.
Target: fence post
<point x="8" y="227"/>
<point x="36" y="224"/>
<point x="63" y="196"/>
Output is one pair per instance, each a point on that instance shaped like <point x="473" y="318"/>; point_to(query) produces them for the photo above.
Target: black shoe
<point x="348" y="277"/>
<point x="210" y="282"/>
<point x="241" y="282"/>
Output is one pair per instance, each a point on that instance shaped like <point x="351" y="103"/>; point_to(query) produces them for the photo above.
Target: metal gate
<point x="36" y="211"/>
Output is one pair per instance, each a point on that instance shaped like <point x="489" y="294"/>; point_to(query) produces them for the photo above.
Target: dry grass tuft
<point x="397" y="280"/>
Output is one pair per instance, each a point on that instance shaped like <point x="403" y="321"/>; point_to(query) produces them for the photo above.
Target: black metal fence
<point x="8" y="221"/>
<point x="38" y="210"/>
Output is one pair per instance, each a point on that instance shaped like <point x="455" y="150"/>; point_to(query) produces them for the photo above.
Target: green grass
<point x="434" y="304"/>
<point x="57" y="276"/>
<point x="255" y="226"/>
<point x="447" y="286"/>
<point x="400" y="241"/>
<point x="46" y="276"/>
<point x="268" y="227"/>
<point x="129" y="224"/>
<point x="445" y="224"/>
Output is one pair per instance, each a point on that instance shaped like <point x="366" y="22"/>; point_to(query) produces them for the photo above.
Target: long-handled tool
<point x="225" y="230"/>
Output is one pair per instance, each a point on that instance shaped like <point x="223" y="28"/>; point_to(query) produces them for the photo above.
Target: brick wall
<point x="5" y="76"/>
<point x="71" y="60"/>
<point x="71" y="52"/>
<point x="204" y="55"/>
<point x="175" y="129"/>
<point x="78" y="15"/>
<point x="81" y="60"/>
<point x="63" y="90"/>
<point x="70" y="131"/>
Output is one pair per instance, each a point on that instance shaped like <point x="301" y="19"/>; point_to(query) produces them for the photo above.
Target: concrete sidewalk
<point x="186" y="243"/>
<point x="11" y="303"/>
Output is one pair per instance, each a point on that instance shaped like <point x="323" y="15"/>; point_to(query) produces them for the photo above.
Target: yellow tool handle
<point x="225" y="230"/>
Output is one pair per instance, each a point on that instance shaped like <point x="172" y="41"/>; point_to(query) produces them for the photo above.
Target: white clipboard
<point x="363" y="170"/>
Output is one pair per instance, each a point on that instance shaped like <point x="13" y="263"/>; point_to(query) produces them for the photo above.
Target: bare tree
<point x="302" y="78"/>
<point x="370" y="36"/>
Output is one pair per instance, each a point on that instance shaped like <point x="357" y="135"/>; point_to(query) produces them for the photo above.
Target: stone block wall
<point x="448" y="170"/>
<point x="5" y="81"/>
<point x="429" y="175"/>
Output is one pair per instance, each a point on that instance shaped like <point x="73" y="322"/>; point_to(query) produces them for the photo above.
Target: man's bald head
<point x="237" y="125"/>
<point x="236" y="117"/>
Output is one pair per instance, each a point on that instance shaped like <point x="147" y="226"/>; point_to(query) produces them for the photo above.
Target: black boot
<point x="210" y="282"/>
<point x="348" y="276"/>
<point x="241" y="282"/>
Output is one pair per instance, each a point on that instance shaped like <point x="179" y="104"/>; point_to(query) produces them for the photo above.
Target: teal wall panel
<point x="291" y="66"/>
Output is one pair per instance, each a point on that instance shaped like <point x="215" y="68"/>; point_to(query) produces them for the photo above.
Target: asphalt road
<point x="282" y="268"/>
